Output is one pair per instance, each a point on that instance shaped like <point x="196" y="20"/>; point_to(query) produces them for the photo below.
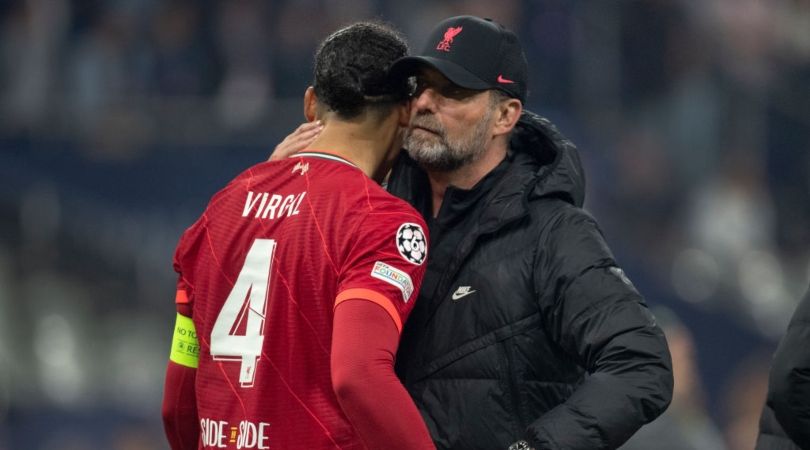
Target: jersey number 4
<point x="238" y="333"/>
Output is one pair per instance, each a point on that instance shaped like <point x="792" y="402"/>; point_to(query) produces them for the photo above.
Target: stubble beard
<point x="437" y="151"/>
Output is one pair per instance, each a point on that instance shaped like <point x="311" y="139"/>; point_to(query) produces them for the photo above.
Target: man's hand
<point x="297" y="140"/>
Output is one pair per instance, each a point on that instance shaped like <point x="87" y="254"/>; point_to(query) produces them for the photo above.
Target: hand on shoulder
<point x="296" y="141"/>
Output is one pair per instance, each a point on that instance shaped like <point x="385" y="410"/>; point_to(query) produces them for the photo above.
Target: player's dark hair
<point x="351" y="68"/>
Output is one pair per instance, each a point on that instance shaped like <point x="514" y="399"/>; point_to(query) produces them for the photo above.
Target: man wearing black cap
<point x="526" y="334"/>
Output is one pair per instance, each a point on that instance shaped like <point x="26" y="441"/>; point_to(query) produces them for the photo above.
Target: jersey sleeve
<point x="183" y="263"/>
<point x="386" y="261"/>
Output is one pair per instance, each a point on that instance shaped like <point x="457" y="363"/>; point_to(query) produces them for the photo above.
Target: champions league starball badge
<point x="411" y="243"/>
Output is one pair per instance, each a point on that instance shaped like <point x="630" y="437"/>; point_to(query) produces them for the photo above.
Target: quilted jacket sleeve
<point x="596" y="315"/>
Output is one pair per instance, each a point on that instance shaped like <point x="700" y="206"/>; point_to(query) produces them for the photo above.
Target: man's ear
<point x="507" y="114"/>
<point x="310" y="104"/>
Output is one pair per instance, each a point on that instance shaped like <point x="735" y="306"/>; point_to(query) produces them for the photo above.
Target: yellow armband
<point x="185" y="347"/>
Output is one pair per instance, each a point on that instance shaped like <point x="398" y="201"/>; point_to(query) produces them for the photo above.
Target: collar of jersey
<point x="329" y="156"/>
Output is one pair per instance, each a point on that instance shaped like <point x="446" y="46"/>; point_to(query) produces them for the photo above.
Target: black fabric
<point x="771" y="434"/>
<point x="785" y="418"/>
<point x="458" y="215"/>
<point x="553" y="344"/>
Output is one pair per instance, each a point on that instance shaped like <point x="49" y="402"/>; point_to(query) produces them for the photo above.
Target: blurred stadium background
<point x="120" y="118"/>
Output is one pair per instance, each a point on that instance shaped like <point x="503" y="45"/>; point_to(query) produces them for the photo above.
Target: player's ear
<point x="404" y="111"/>
<point x="310" y="101"/>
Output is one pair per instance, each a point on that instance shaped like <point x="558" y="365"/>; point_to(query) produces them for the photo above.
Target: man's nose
<point x="425" y="100"/>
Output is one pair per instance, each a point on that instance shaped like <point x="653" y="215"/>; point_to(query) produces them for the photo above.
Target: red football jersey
<point x="263" y="268"/>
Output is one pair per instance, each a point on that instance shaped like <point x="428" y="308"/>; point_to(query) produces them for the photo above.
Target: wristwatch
<point x="520" y="445"/>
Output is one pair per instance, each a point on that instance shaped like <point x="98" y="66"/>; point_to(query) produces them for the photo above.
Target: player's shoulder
<point x="389" y="202"/>
<point x="258" y="171"/>
<point x="258" y="176"/>
<point x="389" y="208"/>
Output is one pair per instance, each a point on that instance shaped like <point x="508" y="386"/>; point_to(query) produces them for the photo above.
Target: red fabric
<point x="184" y="309"/>
<point x="332" y="229"/>
<point x="364" y="343"/>
<point x="180" y="408"/>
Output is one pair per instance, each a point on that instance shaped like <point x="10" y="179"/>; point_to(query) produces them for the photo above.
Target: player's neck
<point x="365" y="146"/>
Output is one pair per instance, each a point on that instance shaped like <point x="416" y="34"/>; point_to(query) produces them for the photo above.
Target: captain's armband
<point x="185" y="346"/>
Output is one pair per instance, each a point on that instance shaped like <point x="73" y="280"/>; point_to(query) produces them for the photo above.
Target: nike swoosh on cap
<point x="503" y="80"/>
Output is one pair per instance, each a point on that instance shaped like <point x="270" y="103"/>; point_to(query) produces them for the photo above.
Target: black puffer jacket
<point x="785" y="422"/>
<point x="554" y="344"/>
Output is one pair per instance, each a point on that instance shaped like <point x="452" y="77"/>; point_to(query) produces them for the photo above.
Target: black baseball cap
<point x="473" y="53"/>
